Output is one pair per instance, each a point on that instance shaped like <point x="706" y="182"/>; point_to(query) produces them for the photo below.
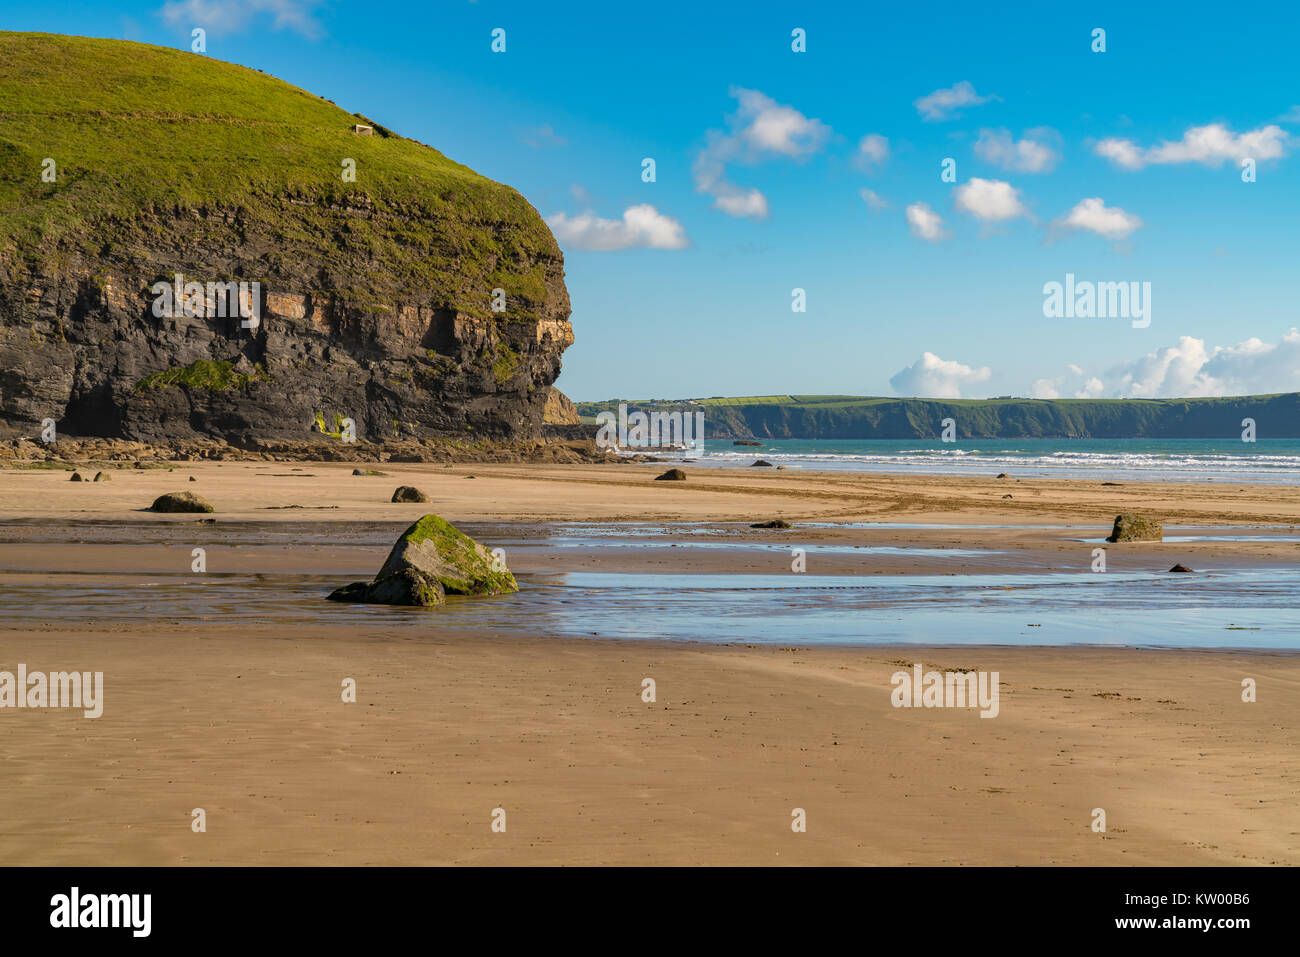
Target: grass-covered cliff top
<point x="140" y="131"/>
<point x="847" y="416"/>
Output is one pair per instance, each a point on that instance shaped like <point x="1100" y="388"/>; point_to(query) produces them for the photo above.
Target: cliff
<point x="859" y="417"/>
<point x="382" y="282"/>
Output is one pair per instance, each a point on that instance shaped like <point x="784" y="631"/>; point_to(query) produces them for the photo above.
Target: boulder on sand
<point x="774" y="523"/>
<point x="181" y="502"/>
<point x="432" y="559"/>
<point x="76" y="477"/>
<point x="409" y="493"/>
<point x="1131" y="527"/>
<point x="672" y="475"/>
<point x="103" y="477"/>
<point x="761" y="464"/>
<point x="1180" y="567"/>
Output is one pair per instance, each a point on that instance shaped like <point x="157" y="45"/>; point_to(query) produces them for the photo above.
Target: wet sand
<point x="246" y="720"/>
<point x="251" y="728"/>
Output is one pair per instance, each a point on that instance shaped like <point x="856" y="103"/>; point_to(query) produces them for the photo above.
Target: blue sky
<point x="821" y="170"/>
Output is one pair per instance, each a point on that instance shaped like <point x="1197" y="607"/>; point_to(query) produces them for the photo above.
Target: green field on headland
<point x="867" y="417"/>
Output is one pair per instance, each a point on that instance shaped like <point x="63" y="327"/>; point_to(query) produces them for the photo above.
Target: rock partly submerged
<point x="430" y="560"/>
<point x="774" y="523"/>
<point x="181" y="502"/>
<point x="1131" y="527"/>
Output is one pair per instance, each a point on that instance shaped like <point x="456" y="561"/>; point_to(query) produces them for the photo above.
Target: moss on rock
<point x="432" y="559"/>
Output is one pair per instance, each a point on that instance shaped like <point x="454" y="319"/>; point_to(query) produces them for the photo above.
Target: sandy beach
<point x="244" y="717"/>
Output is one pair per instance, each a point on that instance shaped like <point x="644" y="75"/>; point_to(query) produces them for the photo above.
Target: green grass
<point x="841" y="416"/>
<point x="507" y="361"/>
<point x="203" y="374"/>
<point x="142" y="135"/>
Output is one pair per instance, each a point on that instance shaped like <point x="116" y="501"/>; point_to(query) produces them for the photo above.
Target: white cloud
<point x="1095" y="216"/>
<point x="1190" y="369"/>
<point x="741" y="203"/>
<point x="759" y="129"/>
<point x="1045" y="389"/>
<point x="233" y="16"/>
<point x="1092" y="389"/>
<point x="873" y="199"/>
<point x="925" y="222"/>
<point x="642" y="226"/>
<point x="943" y="104"/>
<point x="935" y="378"/>
<point x="1034" y="153"/>
<point x="1210" y="145"/>
<point x="991" y="200"/>
<point x="873" y="150"/>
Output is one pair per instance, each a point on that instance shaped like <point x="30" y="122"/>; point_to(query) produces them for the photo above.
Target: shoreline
<point x="608" y="492"/>
<point x="240" y="713"/>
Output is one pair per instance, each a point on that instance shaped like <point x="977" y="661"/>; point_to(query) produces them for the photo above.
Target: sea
<point x="1266" y="461"/>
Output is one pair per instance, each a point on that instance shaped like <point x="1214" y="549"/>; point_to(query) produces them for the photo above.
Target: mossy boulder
<point x="409" y="493"/>
<point x="1131" y="527"/>
<point x="432" y="559"/>
<point x="181" y="502"/>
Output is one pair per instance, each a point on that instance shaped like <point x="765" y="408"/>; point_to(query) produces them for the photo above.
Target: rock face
<point x="560" y="410"/>
<point x="181" y="502"/>
<point x="432" y="559"/>
<point x="1130" y="527"/>
<point x="416" y="298"/>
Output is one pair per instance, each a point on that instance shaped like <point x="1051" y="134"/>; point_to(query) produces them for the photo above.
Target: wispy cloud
<point x="1035" y="152"/>
<point x="543" y="136"/>
<point x="1210" y="145"/>
<point x="873" y="152"/>
<point x="946" y="104"/>
<point x="873" y="199"/>
<point x="235" y="16"/>
<point x="641" y="226"/>
<point x="760" y="129"/>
